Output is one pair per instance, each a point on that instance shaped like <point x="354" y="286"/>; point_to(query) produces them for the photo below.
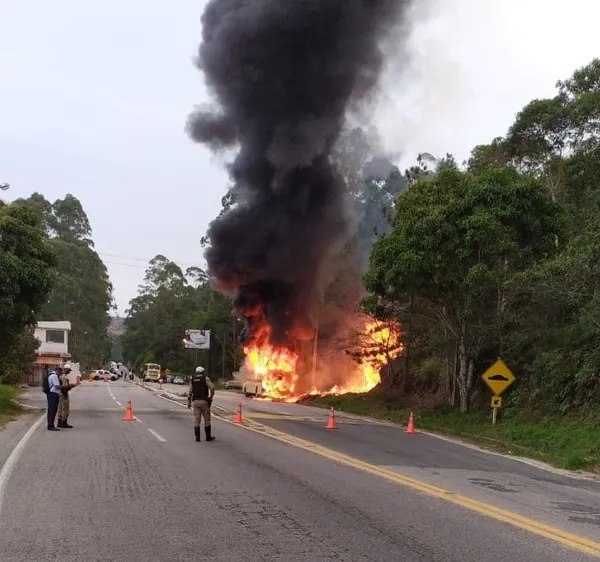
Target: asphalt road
<point x="116" y="490"/>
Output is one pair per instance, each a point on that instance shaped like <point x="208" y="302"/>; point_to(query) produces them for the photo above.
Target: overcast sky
<point x="94" y="97"/>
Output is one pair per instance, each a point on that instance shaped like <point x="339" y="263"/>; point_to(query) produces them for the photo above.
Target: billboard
<point x="197" y="339"/>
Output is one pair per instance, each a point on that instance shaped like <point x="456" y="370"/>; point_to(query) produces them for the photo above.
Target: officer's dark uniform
<point x="200" y="397"/>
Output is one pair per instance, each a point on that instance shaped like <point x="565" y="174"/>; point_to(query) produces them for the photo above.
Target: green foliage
<point x="8" y="409"/>
<point x="168" y="303"/>
<point x="503" y="259"/>
<point x="82" y="291"/>
<point x="15" y="362"/>
<point x="456" y="241"/>
<point x="25" y="261"/>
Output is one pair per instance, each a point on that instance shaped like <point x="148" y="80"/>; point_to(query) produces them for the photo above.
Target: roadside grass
<point x="571" y="442"/>
<point x="8" y="409"/>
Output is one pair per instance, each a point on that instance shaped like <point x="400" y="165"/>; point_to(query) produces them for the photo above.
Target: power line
<point x="136" y="266"/>
<point x="145" y="260"/>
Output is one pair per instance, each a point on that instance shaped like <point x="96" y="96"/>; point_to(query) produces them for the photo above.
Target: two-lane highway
<point x="144" y="490"/>
<point x="571" y="502"/>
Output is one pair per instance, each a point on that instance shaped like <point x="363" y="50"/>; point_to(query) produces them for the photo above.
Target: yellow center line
<point x="266" y="416"/>
<point x="565" y="538"/>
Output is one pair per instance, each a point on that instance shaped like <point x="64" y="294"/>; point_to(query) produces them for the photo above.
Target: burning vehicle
<point x="280" y="374"/>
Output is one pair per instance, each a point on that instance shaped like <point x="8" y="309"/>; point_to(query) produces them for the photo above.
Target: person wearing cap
<point x="200" y="397"/>
<point x="63" y="400"/>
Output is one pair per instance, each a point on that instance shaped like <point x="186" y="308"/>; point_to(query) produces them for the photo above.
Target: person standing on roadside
<point x="53" y="392"/>
<point x="63" y="399"/>
<point x="200" y="396"/>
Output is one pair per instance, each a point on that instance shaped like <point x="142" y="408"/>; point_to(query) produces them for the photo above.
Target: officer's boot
<point x="59" y="423"/>
<point x="209" y="437"/>
<point x="66" y="424"/>
<point x="197" y="432"/>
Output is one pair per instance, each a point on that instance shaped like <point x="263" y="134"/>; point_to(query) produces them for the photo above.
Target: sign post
<point x="198" y="339"/>
<point x="498" y="377"/>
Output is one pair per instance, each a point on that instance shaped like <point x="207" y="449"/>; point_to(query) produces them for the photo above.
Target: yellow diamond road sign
<point x="498" y="377"/>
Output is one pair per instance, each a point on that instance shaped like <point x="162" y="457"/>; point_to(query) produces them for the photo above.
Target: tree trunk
<point x="463" y="387"/>
<point x="453" y="382"/>
<point x="470" y="367"/>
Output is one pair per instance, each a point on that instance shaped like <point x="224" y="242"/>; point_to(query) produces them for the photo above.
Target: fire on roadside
<point x="372" y="348"/>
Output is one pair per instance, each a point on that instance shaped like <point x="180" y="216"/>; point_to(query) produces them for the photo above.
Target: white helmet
<point x="67" y="367"/>
<point x="199" y="369"/>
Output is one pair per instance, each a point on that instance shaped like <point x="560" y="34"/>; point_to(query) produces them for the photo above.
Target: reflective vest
<point x="199" y="387"/>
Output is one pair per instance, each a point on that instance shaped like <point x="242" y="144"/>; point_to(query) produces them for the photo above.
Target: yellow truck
<point x="151" y="372"/>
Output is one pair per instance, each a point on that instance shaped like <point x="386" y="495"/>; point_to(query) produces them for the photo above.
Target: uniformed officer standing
<point x="63" y="401"/>
<point x="200" y="397"/>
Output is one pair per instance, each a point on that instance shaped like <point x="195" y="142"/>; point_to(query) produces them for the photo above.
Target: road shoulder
<point x="13" y="432"/>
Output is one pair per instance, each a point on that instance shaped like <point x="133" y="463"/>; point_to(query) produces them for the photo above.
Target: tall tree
<point x="82" y="291"/>
<point x="25" y="261"/>
<point x="456" y="241"/>
<point x="168" y="303"/>
<point x="69" y="220"/>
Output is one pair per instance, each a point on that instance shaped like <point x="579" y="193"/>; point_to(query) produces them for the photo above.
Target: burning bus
<point x="288" y="374"/>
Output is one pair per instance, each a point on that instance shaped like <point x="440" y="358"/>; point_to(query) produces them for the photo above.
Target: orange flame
<point x="276" y="366"/>
<point x="380" y="343"/>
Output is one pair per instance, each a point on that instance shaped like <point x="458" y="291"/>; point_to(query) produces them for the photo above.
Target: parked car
<point x="100" y="374"/>
<point x="233" y="384"/>
<point x="170" y="378"/>
<point x="178" y="380"/>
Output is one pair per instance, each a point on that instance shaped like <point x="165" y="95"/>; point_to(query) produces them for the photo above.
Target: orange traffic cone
<point x="410" y="428"/>
<point x="331" y="420"/>
<point x="129" y="412"/>
<point x="238" y="415"/>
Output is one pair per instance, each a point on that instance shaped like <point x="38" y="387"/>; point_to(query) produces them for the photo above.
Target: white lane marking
<point x="138" y="420"/>
<point x="159" y="437"/>
<point x="119" y="403"/>
<point x="12" y="459"/>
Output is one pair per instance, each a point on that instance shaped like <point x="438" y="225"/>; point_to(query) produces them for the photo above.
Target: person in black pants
<point x="53" y="397"/>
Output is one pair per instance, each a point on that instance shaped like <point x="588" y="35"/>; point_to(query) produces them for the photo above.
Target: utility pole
<point x="314" y="357"/>
<point x="233" y="341"/>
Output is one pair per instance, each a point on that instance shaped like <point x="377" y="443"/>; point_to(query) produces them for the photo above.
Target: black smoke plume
<point x="284" y="74"/>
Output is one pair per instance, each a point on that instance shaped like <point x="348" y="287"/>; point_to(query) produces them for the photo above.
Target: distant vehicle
<point x="151" y="372"/>
<point x="233" y="384"/>
<point x="101" y="374"/>
<point x="178" y="380"/>
<point x="252" y="388"/>
<point x="170" y="378"/>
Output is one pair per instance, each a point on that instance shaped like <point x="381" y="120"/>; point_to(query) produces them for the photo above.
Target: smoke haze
<point x="283" y="76"/>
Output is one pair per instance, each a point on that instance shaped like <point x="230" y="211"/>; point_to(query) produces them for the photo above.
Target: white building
<point x="53" y="349"/>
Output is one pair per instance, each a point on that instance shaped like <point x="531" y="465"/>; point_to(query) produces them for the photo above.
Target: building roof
<point x="54" y="325"/>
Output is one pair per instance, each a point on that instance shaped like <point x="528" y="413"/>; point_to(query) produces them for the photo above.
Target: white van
<point x="253" y="388"/>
